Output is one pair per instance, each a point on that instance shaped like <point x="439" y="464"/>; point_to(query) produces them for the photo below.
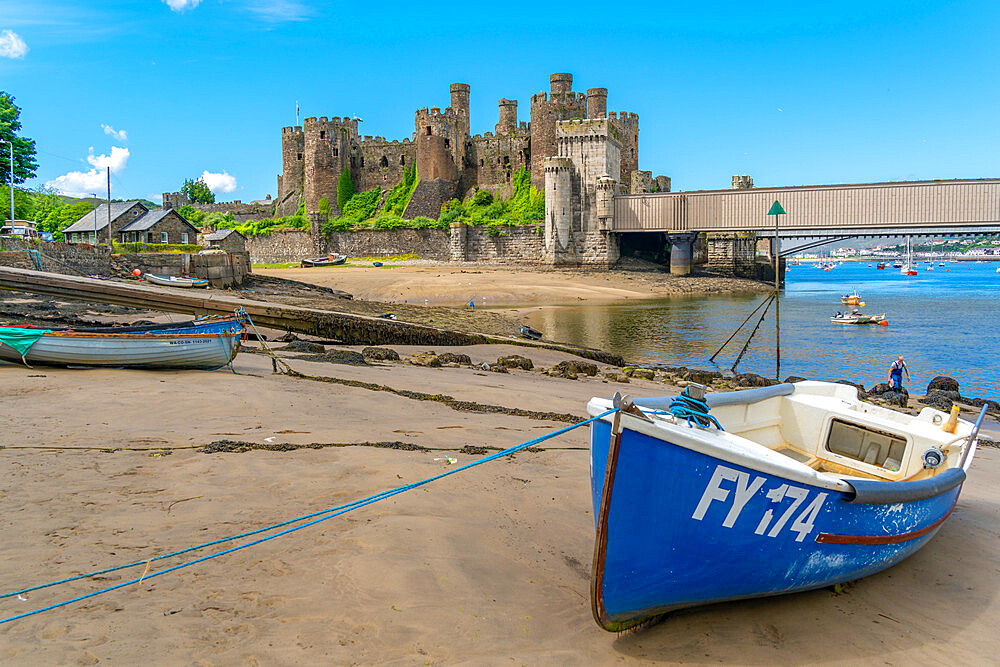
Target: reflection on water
<point x="944" y="321"/>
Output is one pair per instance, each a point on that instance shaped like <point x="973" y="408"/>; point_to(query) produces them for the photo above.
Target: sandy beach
<point x="490" y="566"/>
<point x="493" y="286"/>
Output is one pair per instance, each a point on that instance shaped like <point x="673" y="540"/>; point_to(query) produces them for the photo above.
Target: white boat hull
<point x="187" y="351"/>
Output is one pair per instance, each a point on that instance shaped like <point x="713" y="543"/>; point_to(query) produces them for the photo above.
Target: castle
<point x="451" y="162"/>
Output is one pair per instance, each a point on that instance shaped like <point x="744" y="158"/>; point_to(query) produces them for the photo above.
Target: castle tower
<point x="292" y="156"/>
<point x="327" y="148"/>
<point x="628" y="123"/>
<point x="558" y="207"/>
<point x="508" y="118"/>
<point x="561" y="104"/>
<point x="597" y="102"/>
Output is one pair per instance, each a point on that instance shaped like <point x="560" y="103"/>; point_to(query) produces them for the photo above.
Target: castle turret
<point x="327" y="152"/>
<point x="460" y="97"/>
<point x="563" y="104"/>
<point x="508" y="118"/>
<point x="561" y="83"/>
<point x="597" y="102"/>
<point x="558" y="207"/>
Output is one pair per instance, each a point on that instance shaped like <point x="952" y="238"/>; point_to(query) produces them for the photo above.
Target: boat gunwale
<point x="141" y="336"/>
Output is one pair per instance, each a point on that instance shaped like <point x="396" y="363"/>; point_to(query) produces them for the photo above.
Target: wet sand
<point x="489" y="566"/>
<point x="492" y="286"/>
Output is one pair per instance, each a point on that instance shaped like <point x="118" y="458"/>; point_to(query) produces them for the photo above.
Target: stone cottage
<point x="93" y="227"/>
<point x="228" y="240"/>
<point x="159" y="226"/>
<point x="131" y="222"/>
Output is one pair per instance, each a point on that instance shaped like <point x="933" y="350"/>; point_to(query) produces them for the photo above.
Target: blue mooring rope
<point x="330" y="513"/>
<point x="692" y="409"/>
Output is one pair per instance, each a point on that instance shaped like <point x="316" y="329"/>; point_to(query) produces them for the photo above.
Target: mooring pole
<point x="776" y="210"/>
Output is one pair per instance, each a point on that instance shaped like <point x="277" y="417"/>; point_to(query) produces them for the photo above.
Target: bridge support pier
<point x="681" y="252"/>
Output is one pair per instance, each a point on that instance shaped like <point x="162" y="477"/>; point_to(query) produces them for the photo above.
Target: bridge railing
<point x="816" y="207"/>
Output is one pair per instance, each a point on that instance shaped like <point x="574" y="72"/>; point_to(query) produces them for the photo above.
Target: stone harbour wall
<point x="76" y="259"/>
<point x="731" y="254"/>
<point x="424" y="243"/>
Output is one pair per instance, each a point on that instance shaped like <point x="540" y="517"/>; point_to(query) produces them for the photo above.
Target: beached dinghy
<point x="174" y="281"/>
<point x="331" y="260"/>
<point x="205" y="351"/>
<point x="806" y="487"/>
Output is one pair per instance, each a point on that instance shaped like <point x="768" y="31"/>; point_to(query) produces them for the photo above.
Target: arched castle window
<point x="447" y="144"/>
<point x="300" y="156"/>
<point x="384" y="162"/>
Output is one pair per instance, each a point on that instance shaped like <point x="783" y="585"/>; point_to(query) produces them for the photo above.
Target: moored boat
<point x="806" y="487"/>
<point x="859" y="318"/>
<point x="145" y="349"/>
<point x="174" y="281"/>
<point x="330" y="260"/>
<point x="852" y="299"/>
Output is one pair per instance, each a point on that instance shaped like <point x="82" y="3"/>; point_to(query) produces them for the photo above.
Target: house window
<point x="163" y="237"/>
<point x="184" y="238"/>
<point x="135" y="213"/>
<point x="124" y="238"/>
<point x="322" y="134"/>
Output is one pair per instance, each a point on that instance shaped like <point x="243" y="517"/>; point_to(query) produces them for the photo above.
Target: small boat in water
<point x="859" y="318"/>
<point x="178" y="349"/>
<point x="174" y="281"/>
<point x="330" y="260"/>
<point x="806" y="487"/>
<point x="528" y="332"/>
<point x="852" y="299"/>
<point x="880" y="265"/>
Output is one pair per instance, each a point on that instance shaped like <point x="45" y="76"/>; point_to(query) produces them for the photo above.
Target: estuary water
<point x="945" y="322"/>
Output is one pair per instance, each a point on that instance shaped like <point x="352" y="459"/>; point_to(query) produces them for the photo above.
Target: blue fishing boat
<point x="805" y="487"/>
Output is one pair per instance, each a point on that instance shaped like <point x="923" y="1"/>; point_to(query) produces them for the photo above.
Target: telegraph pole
<point x="94" y="195"/>
<point x="111" y="241"/>
<point x="11" y="184"/>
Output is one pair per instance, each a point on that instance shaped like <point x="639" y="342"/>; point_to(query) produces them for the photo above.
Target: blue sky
<point x="787" y="92"/>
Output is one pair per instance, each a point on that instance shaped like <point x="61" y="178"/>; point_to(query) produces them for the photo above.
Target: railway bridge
<point x="733" y="220"/>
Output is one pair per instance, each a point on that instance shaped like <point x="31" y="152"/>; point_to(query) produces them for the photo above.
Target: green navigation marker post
<point x="776" y="210"/>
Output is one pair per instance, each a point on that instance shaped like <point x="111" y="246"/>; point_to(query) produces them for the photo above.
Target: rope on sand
<point x="311" y="519"/>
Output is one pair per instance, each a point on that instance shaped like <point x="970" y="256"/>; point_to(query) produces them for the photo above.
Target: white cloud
<point x="219" y="182"/>
<point x="182" y="5"/>
<point x="82" y="183"/>
<point x="120" y="135"/>
<point x="11" y="45"/>
<point x="117" y="159"/>
<point x="79" y="183"/>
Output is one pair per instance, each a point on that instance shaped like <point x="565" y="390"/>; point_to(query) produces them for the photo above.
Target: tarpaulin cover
<point x="21" y="339"/>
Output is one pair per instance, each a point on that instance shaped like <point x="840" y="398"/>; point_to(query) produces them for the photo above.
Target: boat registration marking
<point x="199" y="341"/>
<point x="744" y="489"/>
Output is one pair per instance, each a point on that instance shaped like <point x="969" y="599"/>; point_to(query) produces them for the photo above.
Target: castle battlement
<point x="297" y="129"/>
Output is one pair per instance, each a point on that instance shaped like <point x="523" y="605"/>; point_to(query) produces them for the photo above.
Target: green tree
<point x="24" y="148"/>
<point x="345" y="189"/>
<point x="197" y="191"/>
<point x="324" y="207"/>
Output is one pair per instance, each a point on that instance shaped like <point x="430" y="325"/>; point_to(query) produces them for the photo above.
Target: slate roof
<point x="86" y="223"/>
<point x="148" y="221"/>
<point x="221" y="234"/>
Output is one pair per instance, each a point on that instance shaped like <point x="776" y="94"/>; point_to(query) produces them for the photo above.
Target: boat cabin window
<point x="865" y="444"/>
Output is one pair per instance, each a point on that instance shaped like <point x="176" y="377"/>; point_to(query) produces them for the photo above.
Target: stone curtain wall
<point x="293" y="246"/>
<point x="280" y="246"/>
<point x="523" y="244"/>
